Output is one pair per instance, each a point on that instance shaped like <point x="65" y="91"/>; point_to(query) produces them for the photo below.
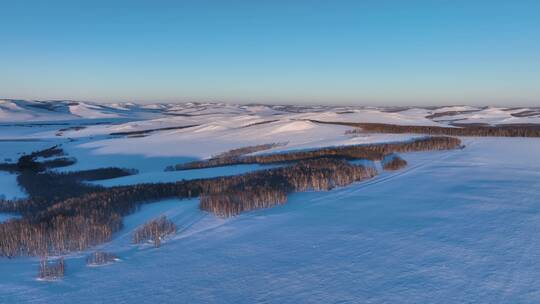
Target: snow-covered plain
<point x="452" y="227"/>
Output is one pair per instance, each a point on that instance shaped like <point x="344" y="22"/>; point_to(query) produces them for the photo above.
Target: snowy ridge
<point x="23" y="110"/>
<point x="200" y="130"/>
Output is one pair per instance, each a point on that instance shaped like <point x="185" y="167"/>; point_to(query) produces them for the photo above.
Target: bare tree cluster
<point x="369" y="151"/>
<point x="86" y="220"/>
<point x="154" y="230"/>
<point x="268" y="188"/>
<point x="394" y="163"/>
<point x="142" y="133"/>
<point x="507" y="130"/>
<point x="84" y="217"/>
<point x="100" y="258"/>
<point x="48" y="187"/>
<point x="449" y="113"/>
<point x="56" y="233"/>
<point x="226" y="204"/>
<point x="248" y="150"/>
<point x="51" y="270"/>
<point x="29" y="161"/>
<point x="225" y="158"/>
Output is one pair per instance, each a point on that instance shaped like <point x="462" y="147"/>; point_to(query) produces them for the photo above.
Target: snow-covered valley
<point x="453" y="226"/>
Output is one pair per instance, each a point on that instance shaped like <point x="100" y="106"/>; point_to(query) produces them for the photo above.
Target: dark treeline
<point x="45" y="188"/>
<point x="61" y="131"/>
<point x="145" y="132"/>
<point x="90" y="219"/>
<point x="449" y="113"/>
<point x="225" y="158"/>
<point x="154" y="230"/>
<point x="510" y="130"/>
<point x="58" y="162"/>
<point x="29" y="161"/>
<point x="63" y="214"/>
<point x="527" y="113"/>
<point x="394" y="163"/>
<point x="46" y="153"/>
<point x="32" y="235"/>
<point x="268" y="188"/>
<point x="248" y="149"/>
<point x="369" y="151"/>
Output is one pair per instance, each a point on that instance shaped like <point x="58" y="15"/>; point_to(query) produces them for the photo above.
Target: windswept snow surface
<point x="452" y="227"/>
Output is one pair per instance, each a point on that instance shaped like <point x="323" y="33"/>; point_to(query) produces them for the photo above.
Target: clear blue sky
<point x="349" y="52"/>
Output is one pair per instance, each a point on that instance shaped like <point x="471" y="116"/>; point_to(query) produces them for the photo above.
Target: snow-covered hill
<point x="200" y="130"/>
<point x="34" y="111"/>
<point x="23" y="111"/>
<point x="453" y="226"/>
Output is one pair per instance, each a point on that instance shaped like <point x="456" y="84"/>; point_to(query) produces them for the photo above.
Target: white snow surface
<point x="452" y="227"/>
<point x="24" y="111"/>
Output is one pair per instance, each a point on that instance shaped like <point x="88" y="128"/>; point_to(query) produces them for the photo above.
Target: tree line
<point x="227" y="156"/>
<point x="249" y="149"/>
<point x="89" y="219"/>
<point x="368" y="151"/>
<point x="85" y="216"/>
<point x="508" y="130"/>
<point x="264" y="189"/>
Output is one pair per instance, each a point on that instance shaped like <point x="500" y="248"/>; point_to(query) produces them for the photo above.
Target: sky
<point x="303" y="52"/>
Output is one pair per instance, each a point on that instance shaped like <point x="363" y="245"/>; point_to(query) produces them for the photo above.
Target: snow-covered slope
<point x="23" y="111"/>
<point x="200" y="130"/>
<point x="452" y="227"/>
<point x="28" y="111"/>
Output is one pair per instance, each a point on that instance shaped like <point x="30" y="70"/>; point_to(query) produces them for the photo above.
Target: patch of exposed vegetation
<point x="259" y="123"/>
<point x="63" y="214"/>
<point x="51" y="270"/>
<point x="249" y="149"/>
<point x="450" y="113"/>
<point x="509" y="130"/>
<point x="393" y="163"/>
<point x="141" y="133"/>
<point x="89" y="219"/>
<point x="154" y="231"/>
<point x="29" y="162"/>
<point x="99" y="258"/>
<point x="44" y="187"/>
<point x="61" y="131"/>
<point x="264" y="189"/>
<point x="369" y="151"/>
<point x="527" y="113"/>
